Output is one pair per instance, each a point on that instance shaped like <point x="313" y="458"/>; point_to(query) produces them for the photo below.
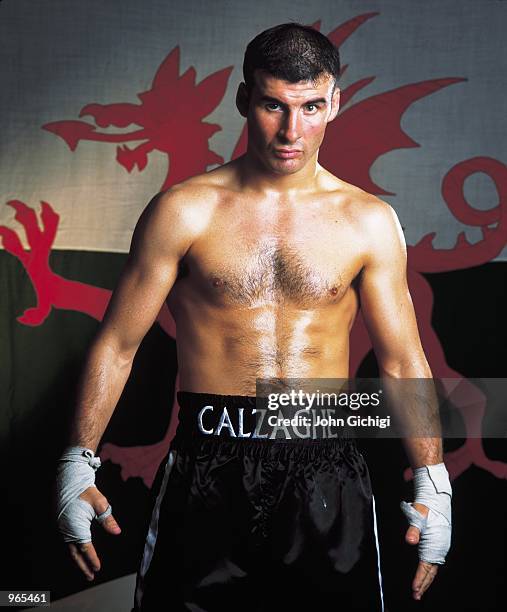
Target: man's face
<point x="287" y="121"/>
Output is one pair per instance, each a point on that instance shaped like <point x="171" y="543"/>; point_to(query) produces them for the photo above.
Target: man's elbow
<point x="112" y="351"/>
<point x="405" y="368"/>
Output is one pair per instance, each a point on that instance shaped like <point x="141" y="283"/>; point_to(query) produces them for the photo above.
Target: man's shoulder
<point x="191" y="193"/>
<point x="370" y="210"/>
<point x="199" y="193"/>
<point x="186" y="207"/>
<point x="179" y="214"/>
<point x="358" y="204"/>
<point x="376" y="225"/>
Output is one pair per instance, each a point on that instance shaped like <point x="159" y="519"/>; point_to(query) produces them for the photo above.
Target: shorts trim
<point x="151" y="538"/>
<point x="378" y="552"/>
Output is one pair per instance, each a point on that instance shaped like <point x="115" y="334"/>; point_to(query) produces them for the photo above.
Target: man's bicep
<point x="147" y="278"/>
<point x="386" y="303"/>
<point x="134" y="305"/>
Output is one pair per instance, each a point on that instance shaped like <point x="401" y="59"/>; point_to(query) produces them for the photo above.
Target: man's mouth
<point x="287" y="153"/>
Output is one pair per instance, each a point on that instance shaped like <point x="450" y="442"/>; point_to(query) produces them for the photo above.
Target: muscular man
<point x="264" y="263"/>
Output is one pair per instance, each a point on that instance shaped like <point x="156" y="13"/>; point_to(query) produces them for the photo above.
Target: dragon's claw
<point x="35" y="259"/>
<point x="12" y="244"/>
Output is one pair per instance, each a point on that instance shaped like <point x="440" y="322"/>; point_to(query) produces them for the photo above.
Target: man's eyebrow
<point x="274" y="100"/>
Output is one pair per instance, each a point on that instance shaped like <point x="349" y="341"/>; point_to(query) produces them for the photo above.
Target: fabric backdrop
<point x="104" y="103"/>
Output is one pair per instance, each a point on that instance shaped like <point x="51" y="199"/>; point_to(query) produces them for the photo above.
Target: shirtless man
<point x="256" y="260"/>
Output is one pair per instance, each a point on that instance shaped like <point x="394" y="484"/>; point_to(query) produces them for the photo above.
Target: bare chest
<point x="305" y="270"/>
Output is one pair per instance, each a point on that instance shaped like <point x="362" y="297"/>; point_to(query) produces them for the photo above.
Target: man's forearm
<point x="414" y="405"/>
<point x="101" y="384"/>
<point x="423" y="451"/>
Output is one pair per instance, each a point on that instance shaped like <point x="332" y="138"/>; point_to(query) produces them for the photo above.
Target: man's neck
<point x="255" y="176"/>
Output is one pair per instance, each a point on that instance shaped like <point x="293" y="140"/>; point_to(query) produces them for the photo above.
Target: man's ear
<point x="335" y="104"/>
<point x="242" y="99"/>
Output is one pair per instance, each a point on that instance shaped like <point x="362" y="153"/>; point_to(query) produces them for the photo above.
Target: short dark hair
<point x="292" y="52"/>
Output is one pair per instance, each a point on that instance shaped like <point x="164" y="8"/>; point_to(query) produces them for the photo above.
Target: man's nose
<point x="290" y="128"/>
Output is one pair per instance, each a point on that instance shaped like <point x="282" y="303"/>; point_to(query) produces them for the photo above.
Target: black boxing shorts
<point x="250" y="523"/>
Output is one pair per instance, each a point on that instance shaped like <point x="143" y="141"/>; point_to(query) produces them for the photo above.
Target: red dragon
<point x="373" y="125"/>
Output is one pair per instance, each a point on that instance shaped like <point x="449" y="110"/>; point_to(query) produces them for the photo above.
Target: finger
<point x="102" y="509"/>
<point x="79" y="561"/>
<point x="107" y="520"/>
<point x="412" y="535"/>
<point x="111" y="526"/>
<point x="422" y="570"/>
<point x="424" y="576"/>
<point x="426" y="583"/>
<point x="89" y="554"/>
<point x="421" y="508"/>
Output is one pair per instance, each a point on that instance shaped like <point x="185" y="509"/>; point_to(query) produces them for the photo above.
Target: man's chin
<point x="285" y="166"/>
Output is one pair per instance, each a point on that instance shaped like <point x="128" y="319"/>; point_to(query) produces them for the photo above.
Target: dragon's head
<point x="169" y="119"/>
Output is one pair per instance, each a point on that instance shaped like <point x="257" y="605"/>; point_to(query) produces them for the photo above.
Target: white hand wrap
<point x="75" y="473"/>
<point x="433" y="489"/>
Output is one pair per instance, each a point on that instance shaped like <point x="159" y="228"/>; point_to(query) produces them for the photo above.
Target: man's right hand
<point x="84" y="555"/>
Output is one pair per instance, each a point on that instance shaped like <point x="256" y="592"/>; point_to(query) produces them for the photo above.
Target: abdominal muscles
<point x="225" y="351"/>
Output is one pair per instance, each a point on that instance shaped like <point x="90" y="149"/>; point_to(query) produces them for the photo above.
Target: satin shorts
<point x="255" y="524"/>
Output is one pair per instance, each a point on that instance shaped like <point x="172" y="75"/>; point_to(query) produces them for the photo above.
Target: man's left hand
<point x="426" y="572"/>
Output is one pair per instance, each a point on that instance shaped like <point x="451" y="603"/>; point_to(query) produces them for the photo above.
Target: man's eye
<point x="311" y="108"/>
<point x="272" y="106"/>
